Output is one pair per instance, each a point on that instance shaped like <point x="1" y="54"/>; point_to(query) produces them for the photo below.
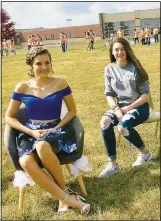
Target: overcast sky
<point x="54" y="14"/>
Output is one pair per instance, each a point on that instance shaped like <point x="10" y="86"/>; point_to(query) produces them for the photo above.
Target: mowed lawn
<point x="132" y="194"/>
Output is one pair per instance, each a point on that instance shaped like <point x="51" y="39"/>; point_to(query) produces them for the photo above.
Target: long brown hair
<point x="142" y="75"/>
<point x="33" y="53"/>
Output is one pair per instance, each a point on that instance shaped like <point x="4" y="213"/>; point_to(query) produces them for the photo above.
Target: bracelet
<point x="114" y="106"/>
<point x="117" y="108"/>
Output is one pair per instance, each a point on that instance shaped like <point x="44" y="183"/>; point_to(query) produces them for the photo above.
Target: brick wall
<point x="77" y="31"/>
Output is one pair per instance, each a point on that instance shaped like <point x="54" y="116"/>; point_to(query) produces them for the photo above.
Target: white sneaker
<point x="109" y="170"/>
<point x="142" y="159"/>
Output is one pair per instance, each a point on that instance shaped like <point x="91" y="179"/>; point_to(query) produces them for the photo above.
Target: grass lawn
<point x="132" y="194"/>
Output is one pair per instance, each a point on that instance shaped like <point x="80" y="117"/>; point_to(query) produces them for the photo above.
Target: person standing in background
<point x="62" y="41"/>
<point x="29" y="42"/>
<point x="66" y="41"/>
<point x="12" y="47"/>
<point x="5" y="47"/>
<point x="120" y="33"/>
<point x="136" y="36"/>
<point x="147" y="35"/>
<point x="92" y="38"/>
<point x="155" y="33"/>
<point x="142" y="36"/>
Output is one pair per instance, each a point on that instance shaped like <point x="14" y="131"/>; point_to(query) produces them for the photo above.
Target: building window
<point x="128" y="27"/>
<point x="150" y="22"/>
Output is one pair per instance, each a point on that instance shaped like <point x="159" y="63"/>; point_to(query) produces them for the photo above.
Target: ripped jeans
<point x="131" y="119"/>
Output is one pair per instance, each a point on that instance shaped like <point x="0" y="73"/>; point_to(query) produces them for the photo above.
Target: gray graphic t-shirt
<point x="120" y="82"/>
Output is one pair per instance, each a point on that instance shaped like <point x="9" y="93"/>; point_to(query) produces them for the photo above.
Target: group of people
<point x="119" y="33"/>
<point x="63" y="41"/>
<point x="45" y="134"/>
<point x="34" y="41"/>
<point x="8" y="48"/>
<point x="145" y="35"/>
<point x="90" y="35"/>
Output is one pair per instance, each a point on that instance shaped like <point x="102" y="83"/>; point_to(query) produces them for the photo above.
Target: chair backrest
<point x="64" y="158"/>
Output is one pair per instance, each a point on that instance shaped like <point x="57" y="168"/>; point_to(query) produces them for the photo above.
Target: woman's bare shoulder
<point x="62" y="83"/>
<point x="21" y="87"/>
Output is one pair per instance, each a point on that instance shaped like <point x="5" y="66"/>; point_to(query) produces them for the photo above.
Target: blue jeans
<point x="156" y="38"/>
<point x="148" y="40"/>
<point x="131" y="119"/>
<point x="63" y="47"/>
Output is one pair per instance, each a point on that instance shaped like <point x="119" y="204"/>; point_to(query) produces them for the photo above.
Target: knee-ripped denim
<point x="131" y="119"/>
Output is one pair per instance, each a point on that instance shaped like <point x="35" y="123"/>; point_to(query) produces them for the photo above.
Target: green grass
<point x="133" y="194"/>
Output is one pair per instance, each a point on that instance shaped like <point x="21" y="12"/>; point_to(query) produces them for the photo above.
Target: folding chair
<point x="154" y="117"/>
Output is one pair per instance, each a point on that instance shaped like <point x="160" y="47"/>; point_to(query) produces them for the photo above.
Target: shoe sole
<point x="150" y="157"/>
<point x="146" y="162"/>
<point x="104" y="176"/>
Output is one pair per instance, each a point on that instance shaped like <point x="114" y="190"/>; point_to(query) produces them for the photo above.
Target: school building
<point x="128" y="21"/>
<point x="53" y="33"/>
<point x="107" y="23"/>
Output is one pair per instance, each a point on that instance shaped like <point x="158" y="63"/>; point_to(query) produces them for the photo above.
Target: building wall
<point x="129" y="20"/>
<point x="77" y="32"/>
<point x="126" y="16"/>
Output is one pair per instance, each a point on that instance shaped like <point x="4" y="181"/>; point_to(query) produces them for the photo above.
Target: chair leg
<point x="68" y="168"/>
<point x="80" y="180"/>
<point x="21" y="197"/>
<point x="156" y="129"/>
<point x="155" y="134"/>
<point x="81" y="183"/>
<point x="131" y="152"/>
<point x="119" y="138"/>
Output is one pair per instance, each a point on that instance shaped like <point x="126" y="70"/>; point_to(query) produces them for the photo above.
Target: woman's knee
<point x="44" y="149"/>
<point x="123" y="130"/>
<point x="105" y="122"/>
<point x="27" y="162"/>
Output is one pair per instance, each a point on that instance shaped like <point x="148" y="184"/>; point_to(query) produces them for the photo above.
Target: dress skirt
<point x="62" y="138"/>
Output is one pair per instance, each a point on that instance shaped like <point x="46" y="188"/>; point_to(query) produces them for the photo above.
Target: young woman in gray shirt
<point x="127" y="81"/>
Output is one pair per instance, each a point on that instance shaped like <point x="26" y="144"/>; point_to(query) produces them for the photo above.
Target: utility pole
<point x="69" y="20"/>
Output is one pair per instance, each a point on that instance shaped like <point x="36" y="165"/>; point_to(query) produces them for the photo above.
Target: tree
<point x="8" y="30"/>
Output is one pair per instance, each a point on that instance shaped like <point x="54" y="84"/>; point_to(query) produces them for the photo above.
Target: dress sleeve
<point x="144" y="88"/>
<point x="16" y="96"/>
<point x="108" y="89"/>
<point x="66" y="91"/>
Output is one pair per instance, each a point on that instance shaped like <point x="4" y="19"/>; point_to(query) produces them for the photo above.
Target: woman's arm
<point x="13" y="107"/>
<point x="13" y="122"/>
<point x="111" y="101"/>
<point x="10" y="117"/>
<point x="70" y="104"/>
<point x="69" y="101"/>
<point x="140" y="101"/>
<point x="117" y="110"/>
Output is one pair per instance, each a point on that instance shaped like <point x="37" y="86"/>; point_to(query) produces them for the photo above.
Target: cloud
<point x="54" y="14"/>
<point x="138" y="6"/>
<point x="117" y="7"/>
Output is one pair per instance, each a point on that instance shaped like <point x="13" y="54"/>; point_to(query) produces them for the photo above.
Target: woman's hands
<point x="37" y="134"/>
<point x="125" y="109"/>
<point x="118" y="113"/>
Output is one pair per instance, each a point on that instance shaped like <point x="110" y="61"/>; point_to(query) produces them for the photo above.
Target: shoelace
<point x="142" y="156"/>
<point x="109" y="167"/>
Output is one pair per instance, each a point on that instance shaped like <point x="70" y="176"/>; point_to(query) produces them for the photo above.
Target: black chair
<point x="64" y="158"/>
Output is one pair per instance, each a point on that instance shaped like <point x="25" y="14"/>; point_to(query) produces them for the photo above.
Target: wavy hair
<point x="142" y="75"/>
<point x="32" y="54"/>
